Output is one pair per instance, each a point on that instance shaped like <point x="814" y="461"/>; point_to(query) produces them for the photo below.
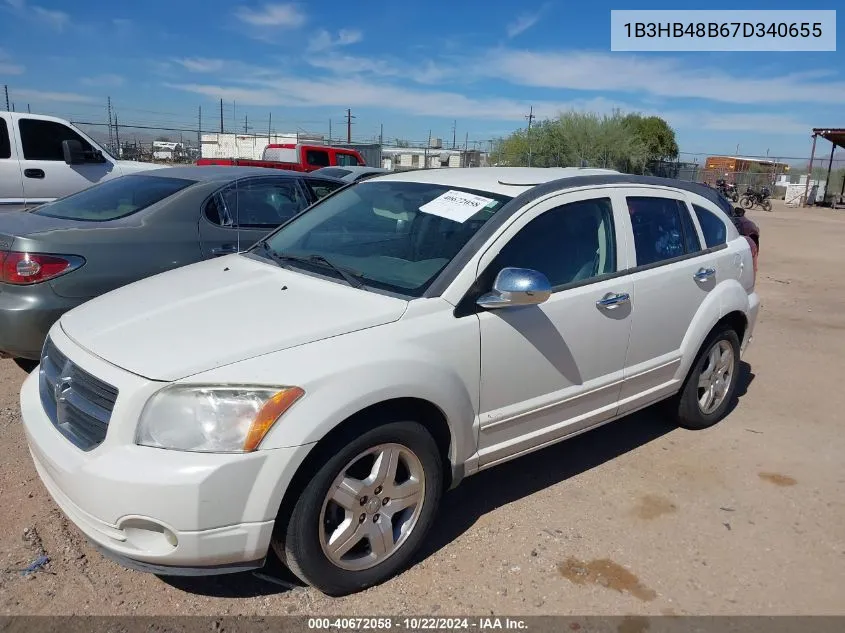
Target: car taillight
<point x="23" y="269"/>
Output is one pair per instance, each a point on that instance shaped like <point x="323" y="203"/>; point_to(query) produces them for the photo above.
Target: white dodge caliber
<point x="315" y="395"/>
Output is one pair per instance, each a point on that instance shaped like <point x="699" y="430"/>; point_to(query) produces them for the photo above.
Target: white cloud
<point x="17" y="4"/>
<point x="62" y="97"/>
<point x="121" y="22"/>
<point x="107" y="80"/>
<point x="522" y="24"/>
<point x="323" y="40"/>
<point x="277" y="15"/>
<point x="56" y="19"/>
<point x="7" y="66"/>
<point x="660" y="76"/>
<point x="201" y="64"/>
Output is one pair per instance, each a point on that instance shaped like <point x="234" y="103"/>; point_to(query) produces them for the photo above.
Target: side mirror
<point x="73" y="152"/>
<point x="517" y="287"/>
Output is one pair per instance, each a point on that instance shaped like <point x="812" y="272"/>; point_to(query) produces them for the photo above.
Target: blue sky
<point x="411" y="66"/>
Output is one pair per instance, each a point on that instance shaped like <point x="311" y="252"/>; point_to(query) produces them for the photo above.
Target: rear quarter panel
<point x="159" y="238"/>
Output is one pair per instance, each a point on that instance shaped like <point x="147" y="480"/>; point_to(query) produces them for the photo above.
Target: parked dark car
<point x="61" y="254"/>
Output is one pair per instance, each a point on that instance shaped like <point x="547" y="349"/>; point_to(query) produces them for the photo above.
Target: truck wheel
<point x="711" y="383"/>
<point x="365" y="511"/>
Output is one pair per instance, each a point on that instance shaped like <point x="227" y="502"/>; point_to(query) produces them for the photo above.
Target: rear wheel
<point x="767" y="205"/>
<point x="746" y="202"/>
<point x="365" y="511"/>
<point x="711" y="383"/>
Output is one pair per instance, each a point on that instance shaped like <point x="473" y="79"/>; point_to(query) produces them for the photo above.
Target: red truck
<point x="295" y="157"/>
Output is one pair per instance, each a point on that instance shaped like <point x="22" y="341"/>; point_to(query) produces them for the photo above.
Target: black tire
<point x="735" y="197"/>
<point x="746" y="202"/>
<point x="767" y="205"/>
<point x="298" y="545"/>
<point x="27" y="364"/>
<point x="687" y="409"/>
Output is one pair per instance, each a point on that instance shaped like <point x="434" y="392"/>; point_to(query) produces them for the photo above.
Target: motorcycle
<point x="728" y="190"/>
<point x="752" y="198"/>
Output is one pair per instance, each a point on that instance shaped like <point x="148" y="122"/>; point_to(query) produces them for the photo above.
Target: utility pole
<point x="270" y="129"/>
<point x="111" y="138"/>
<point x="246" y="126"/>
<point x="530" y="118"/>
<point x="27" y="109"/>
<point x="6" y="88"/>
<point x="466" y="148"/>
<point x="221" y="116"/>
<point x="117" y="135"/>
<point x="426" y="150"/>
<point x="330" y="131"/>
<point x="199" y="131"/>
<point x="454" y="132"/>
<point x="381" y="134"/>
<point x="349" y="118"/>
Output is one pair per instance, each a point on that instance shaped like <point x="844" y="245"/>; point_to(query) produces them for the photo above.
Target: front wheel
<point x="711" y="383"/>
<point x="746" y="202"/>
<point x="365" y="511"/>
<point x="767" y="205"/>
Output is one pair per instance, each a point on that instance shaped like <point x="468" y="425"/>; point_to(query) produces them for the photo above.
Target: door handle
<point x="704" y="274"/>
<point x="33" y="173"/>
<point x="612" y="300"/>
<point x="226" y="249"/>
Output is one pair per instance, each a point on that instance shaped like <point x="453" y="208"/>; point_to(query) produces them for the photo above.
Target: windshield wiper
<point x="350" y="278"/>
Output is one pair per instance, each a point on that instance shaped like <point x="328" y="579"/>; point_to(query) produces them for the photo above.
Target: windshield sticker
<point x="457" y="206"/>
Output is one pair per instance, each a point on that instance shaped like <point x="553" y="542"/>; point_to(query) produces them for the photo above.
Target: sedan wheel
<point x="372" y="506"/>
<point x="364" y="509"/>
<point x="716" y="377"/>
<point x="711" y="383"/>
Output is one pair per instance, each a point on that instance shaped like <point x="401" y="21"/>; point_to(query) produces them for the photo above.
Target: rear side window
<point x="42" y="140"/>
<point x="5" y="143"/>
<point x="317" y="157"/>
<point x="715" y="231"/>
<point x="114" y="199"/>
<point x="663" y="229"/>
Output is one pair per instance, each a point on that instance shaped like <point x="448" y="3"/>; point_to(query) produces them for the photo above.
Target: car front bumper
<point x="167" y="512"/>
<point x="26" y="315"/>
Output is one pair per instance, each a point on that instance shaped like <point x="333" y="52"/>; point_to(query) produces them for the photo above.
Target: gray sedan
<point x="61" y="254"/>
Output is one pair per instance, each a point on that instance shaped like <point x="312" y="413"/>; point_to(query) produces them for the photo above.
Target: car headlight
<point x="213" y="418"/>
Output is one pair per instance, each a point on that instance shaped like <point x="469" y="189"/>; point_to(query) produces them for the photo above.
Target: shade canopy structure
<point x="836" y="137"/>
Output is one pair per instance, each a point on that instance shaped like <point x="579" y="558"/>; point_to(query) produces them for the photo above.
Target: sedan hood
<point x="218" y="312"/>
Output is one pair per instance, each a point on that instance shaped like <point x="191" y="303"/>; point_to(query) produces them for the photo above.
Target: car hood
<point x="132" y="166"/>
<point x="218" y="312"/>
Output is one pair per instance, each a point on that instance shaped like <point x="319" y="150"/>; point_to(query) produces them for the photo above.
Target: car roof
<point x="216" y="173"/>
<point x="509" y="181"/>
<point x="357" y="169"/>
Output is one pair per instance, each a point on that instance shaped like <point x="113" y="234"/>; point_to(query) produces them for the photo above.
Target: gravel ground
<point x="634" y="518"/>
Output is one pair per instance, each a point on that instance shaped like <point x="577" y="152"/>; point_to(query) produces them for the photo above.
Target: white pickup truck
<point x="43" y="158"/>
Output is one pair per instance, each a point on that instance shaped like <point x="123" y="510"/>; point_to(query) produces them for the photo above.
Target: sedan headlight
<point x="213" y="418"/>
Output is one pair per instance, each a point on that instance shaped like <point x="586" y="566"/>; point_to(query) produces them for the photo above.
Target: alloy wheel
<point x="716" y="376"/>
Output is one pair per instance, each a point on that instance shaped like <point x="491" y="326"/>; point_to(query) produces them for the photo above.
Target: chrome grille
<point x="78" y="404"/>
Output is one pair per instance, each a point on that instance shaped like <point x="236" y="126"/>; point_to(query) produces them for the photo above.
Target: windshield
<point x="113" y="199"/>
<point x="333" y="172"/>
<point x="378" y="231"/>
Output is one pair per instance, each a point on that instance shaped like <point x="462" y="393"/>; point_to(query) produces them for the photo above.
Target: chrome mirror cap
<point x="517" y="287"/>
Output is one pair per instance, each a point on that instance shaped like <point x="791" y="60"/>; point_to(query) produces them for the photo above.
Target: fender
<point x="346" y="374"/>
<point x="728" y="296"/>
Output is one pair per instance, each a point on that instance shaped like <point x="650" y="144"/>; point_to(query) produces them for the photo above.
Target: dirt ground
<point x="637" y="517"/>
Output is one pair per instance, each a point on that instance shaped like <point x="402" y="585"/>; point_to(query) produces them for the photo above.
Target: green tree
<point x="658" y="136"/>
